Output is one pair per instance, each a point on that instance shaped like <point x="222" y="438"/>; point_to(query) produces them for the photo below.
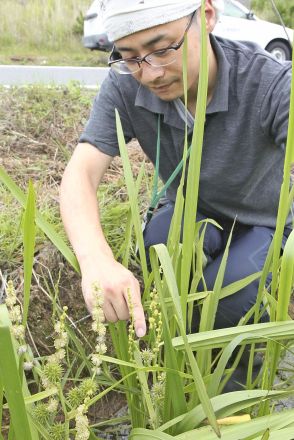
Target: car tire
<point x="280" y="50"/>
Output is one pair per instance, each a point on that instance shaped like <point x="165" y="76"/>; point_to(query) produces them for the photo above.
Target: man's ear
<point x="210" y="16"/>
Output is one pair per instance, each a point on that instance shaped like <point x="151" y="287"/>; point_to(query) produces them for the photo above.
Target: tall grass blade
<point x="132" y="195"/>
<point x="40" y="221"/>
<point x="142" y="378"/>
<point x="256" y="333"/>
<point x="252" y="429"/>
<point x="233" y="403"/>
<point x="119" y="338"/>
<point x="273" y="351"/>
<point x="191" y="197"/>
<point x="283" y="203"/>
<point x="176" y="223"/>
<point x="1" y="402"/>
<point x="286" y="279"/>
<point x="11" y="381"/>
<point x="174" y="400"/>
<point x="29" y="236"/>
<point x="282" y="434"/>
<point x="146" y="434"/>
<point x="167" y="268"/>
<point x="285" y="289"/>
<point x="211" y="302"/>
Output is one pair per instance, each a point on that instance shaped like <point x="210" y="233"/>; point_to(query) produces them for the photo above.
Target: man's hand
<point x="117" y="284"/>
<point x="80" y="215"/>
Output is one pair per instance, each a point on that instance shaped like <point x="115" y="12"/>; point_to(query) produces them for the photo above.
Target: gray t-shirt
<point x="245" y="131"/>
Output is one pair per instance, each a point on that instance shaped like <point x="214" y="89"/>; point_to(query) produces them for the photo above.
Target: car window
<point x="233" y="11"/>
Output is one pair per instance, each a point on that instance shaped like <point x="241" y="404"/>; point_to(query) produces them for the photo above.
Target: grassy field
<point x="45" y="32"/>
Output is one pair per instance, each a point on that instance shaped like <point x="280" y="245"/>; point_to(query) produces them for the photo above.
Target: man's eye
<point x="130" y="61"/>
<point x="161" y="53"/>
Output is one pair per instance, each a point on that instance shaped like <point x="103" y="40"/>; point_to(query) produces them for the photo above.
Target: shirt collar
<point x="219" y="102"/>
<point x="220" y="98"/>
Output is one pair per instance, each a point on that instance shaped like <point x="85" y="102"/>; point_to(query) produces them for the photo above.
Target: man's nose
<point x="150" y="73"/>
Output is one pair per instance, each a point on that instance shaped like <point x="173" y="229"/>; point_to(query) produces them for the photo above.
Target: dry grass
<point x="45" y="32"/>
<point x="41" y="23"/>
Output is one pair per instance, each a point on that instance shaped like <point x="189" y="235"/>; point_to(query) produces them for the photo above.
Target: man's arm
<point x="80" y="215"/>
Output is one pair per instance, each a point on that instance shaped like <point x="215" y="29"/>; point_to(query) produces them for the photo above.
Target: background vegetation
<point x="44" y="32"/>
<point x="265" y="10"/>
<point x="50" y="31"/>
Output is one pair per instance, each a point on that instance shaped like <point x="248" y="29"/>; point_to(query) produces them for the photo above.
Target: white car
<point x="236" y="23"/>
<point x="95" y="37"/>
<point x="239" y="23"/>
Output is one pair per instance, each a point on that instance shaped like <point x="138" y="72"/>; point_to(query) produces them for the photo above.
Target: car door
<point x="236" y="23"/>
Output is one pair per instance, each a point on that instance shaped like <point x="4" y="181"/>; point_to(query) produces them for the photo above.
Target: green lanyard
<point x="156" y="196"/>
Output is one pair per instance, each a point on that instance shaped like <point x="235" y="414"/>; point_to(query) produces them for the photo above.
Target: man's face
<point x="166" y="82"/>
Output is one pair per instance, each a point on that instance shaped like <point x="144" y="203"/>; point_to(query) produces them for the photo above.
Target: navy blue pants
<point x="247" y="255"/>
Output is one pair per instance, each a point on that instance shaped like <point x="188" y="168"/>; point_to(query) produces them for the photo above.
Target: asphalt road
<point x="11" y="75"/>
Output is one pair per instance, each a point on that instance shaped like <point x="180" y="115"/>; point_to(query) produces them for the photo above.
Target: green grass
<point x="11" y="227"/>
<point x="41" y="23"/>
<point x="73" y="55"/>
<point x="45" y="32"/>
<point x="264" y="9"/>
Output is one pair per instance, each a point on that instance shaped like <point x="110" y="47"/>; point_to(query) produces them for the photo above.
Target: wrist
<point x="85" y="259"/>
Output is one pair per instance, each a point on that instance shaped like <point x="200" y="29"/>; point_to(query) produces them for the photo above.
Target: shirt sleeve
<point x="100" y="129"/>
<point x="275" y="106"/>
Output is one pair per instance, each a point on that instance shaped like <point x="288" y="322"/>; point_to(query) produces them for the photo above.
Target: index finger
<point x="133" y="298"/>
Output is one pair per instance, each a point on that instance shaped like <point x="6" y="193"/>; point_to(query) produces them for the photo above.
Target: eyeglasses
<point x="157" y="58"/>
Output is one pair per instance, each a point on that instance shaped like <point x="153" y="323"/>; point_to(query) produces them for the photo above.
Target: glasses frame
<point x="140" y="60"/>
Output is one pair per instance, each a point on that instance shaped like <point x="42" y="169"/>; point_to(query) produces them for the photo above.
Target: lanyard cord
<point x="156" y="196"/>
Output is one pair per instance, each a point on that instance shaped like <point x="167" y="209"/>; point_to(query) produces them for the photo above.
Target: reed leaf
<point x="174" y="399"/>
<point x="132" y="194"/>
<point x="284" y="195"/>
<point x="286" y="279"/>
<point x="142" y="378"/>
<point x="243" y="431"/>
<point x="1" y="401"/>
<point x="191" y="197"/>
<point x="48" y="229"/>
<point x="281" y="434"/>
<point x="11" y="381"/>
<point x="174" y="235"/>
<point x="210" y="304"/>
<point x="167" y="268"/>
<point x="29" y="236"/>
<point x="220" y="337"/>
<point x="233" y="403"/>
<point x="146" y="434"/>
<point x="285" y="288"/>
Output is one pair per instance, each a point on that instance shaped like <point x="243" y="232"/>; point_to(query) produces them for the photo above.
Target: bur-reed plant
<point x="171" y="381"/>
